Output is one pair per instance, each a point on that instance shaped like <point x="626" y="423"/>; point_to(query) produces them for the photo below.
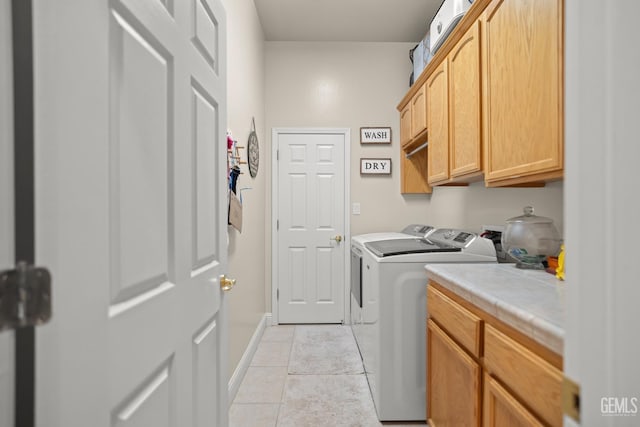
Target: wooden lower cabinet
<point x="502" y="409"/>
<point x="482" y="372"/>
<point x="454" y="378"/>
<point x="527" y="375"/>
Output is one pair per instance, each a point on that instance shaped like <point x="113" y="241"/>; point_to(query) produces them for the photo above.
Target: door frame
<point x="275" y="184"/>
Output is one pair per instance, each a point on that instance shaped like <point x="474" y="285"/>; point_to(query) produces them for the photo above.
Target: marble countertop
<point x="533" y="302"/>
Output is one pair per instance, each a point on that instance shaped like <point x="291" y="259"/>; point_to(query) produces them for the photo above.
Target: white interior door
<point x="131" y="212"/>
<point x="311" y="223"/>
<point x="601" y="349"/>
<point x="6" y="205"/>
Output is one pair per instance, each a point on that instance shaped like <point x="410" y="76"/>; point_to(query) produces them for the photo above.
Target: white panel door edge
<point x="601" y="349"/>
<point x="6" y="206"/>
<point x="274" y="208"/>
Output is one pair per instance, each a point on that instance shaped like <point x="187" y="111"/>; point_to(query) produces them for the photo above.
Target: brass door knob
<point x="338" y="238"/>
<point x="226" y="284"/>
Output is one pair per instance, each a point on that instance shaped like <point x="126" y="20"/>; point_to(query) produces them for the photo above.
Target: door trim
<point x="275" y="132"/>
<point x="24" y="193"/>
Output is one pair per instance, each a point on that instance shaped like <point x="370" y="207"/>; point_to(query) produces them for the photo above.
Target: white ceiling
<point x="346" y="20"/>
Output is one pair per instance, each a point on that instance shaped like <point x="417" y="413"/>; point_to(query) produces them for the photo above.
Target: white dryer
<point x="391" y="335"/>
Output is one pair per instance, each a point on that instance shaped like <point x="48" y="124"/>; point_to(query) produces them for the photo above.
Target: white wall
<point x="246" y="100"/>
<point x="360" y="84"/>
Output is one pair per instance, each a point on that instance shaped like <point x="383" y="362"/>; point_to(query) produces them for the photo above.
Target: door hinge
<point x="25" y="296"/>
<point x="278" y="294"/>
<point x="571" y="398"/>
<point x="277" y="224"/>
<point x="277" y="154"/>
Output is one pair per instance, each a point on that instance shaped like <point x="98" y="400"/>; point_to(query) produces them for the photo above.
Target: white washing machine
<point x="411" y="231"/>
<point x="391" y="330"/>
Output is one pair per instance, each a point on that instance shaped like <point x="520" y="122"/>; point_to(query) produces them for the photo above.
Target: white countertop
<point x="530" y="301"/>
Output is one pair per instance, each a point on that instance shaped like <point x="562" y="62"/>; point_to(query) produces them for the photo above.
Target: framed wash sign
<point x="375" y="135"/>
<point x="375" y="166"/>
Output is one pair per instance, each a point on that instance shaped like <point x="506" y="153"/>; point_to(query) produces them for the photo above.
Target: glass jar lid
<point x="530" y="218"/>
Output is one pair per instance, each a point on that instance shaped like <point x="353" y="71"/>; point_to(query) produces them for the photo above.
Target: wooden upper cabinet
<point x="465" y="148"/>
<point x="413" y="175"/>
<point x="523" y="90"/>
<point x="438" y="124"/>
<point x="405" y="125"/>
<point x="453" y="113"/>
<point x="419" y="113"/>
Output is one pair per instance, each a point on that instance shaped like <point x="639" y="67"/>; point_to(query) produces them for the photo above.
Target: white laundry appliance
<point x="411" y="231"/>
<point x="391" y="328"/>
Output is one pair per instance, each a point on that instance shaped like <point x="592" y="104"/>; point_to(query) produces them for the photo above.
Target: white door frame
<point x="274" y="212"/>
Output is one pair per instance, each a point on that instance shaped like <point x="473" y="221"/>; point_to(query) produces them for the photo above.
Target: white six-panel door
<point x="311" y="204"/>
<point x="131" y="212"/>
<point x="6" y="206"/>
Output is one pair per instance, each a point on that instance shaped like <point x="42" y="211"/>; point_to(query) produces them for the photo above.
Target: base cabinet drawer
<point x="464" y="326"/>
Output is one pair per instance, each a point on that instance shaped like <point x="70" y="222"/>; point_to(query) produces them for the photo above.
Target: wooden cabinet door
<point x="501" y="409"/>
<point x="528" y="376"/>
<point x="438" y="124"/>
<point x="413" y="178"/>
<point x="464" y="105"/>
<point x="453" y="382"/>
<point x="523" y="92"/>
<point x="419" y="113"/>
<point x="405" y="125"/>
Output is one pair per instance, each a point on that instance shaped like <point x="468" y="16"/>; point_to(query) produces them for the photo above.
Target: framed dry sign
<point x="375" y="135"/>
<point x="375" y="166"/>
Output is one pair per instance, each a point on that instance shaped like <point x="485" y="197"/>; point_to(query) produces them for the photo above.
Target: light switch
<point x="355" y="208"/>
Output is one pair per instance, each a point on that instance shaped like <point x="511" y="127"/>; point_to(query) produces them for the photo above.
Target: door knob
<point x="338" y="238"/>
<point x="226" y="284"/>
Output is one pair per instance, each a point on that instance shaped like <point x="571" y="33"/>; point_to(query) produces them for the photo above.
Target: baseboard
<point x="245" y="361"/>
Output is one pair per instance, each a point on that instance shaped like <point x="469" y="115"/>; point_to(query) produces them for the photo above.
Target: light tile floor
<point x="305" y="376"/>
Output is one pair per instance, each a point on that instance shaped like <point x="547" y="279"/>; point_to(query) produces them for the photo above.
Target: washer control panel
<point x="452" y="237"/>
